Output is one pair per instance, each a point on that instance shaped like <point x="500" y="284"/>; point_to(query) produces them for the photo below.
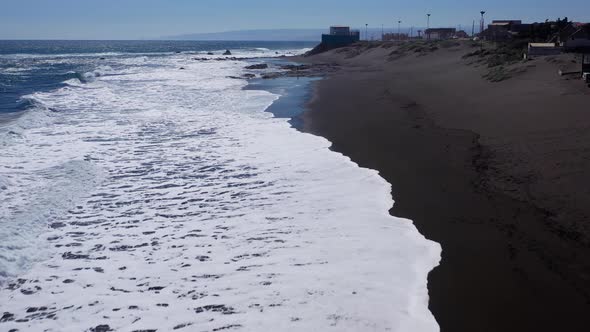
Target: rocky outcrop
<point x="304" y="70"/>
<point x="227" y="52"/>
<point x="321" y="48"/>
<point x="258" y="66"/>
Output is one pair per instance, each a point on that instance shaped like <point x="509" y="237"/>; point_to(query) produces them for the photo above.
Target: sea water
<point x="136" y="195"/>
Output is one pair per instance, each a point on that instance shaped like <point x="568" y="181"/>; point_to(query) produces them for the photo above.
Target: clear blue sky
<point x="136" y="19"/>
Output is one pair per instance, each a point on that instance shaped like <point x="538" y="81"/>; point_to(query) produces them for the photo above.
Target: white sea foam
<point x="240" y="52"/>
<point x="164" y="198"/>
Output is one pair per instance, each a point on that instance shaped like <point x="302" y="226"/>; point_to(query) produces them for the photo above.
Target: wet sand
<point x="497" y="173"/>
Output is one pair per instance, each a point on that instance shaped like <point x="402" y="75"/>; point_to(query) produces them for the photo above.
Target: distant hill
<point x="259" y="35"/>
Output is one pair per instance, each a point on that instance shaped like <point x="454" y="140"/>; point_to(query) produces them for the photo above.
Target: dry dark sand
<point x="497" y="173"/>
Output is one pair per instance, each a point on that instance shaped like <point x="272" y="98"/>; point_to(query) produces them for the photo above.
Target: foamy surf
<point x="166" y="199"/>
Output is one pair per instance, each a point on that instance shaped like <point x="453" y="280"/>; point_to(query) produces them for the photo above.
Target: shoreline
<point x="506" y="264"/>
<point x="292" y="103"/>
<point x="230" y="220"/>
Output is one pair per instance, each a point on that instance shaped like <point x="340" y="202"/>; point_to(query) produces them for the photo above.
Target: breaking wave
<point x="169" y="198"/>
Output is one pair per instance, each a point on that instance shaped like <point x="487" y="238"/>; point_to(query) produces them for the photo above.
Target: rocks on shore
<point x="233" y="58"/>
<point x="272" y="75"/>
<point x="245" y="76"/>
<point x="227" y="52"/>
<point x="258" y="66"/>
<point x="304" y="70"/>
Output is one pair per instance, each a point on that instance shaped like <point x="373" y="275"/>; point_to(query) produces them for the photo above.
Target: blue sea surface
<point x="35" y="66"/>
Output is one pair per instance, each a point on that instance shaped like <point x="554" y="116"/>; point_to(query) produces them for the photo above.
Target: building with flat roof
<point x="440" y="33"/>
<point x="504" y="29"/>
<point x="339" y="30"/>
<point x="340" y="36"/>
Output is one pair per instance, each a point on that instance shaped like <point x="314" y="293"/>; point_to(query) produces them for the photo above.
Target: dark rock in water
<point x="101" y="328"/>
<point x="102" y="58"/>
<point x="210" y="53"/>
<point x="271" y="75"/>
<point x="203" y="258"/>
<point x="227" y="52"/>
<point x="295" y="67"/>
<point x="69" y="255"/>
<point x="177" y="52"/>
<point x="180" y="326"/>
<point x="57" y="225"/>
<point x="68" y="281"/>
<point x="258" y="66"/>
<point x="234" y="77"/>
<point x="249" y="75"/>
<point x="181" y="68"/>
<point x="6" y="317"/>
<point x="30" y="291"/>
<point x="216" y="308"/>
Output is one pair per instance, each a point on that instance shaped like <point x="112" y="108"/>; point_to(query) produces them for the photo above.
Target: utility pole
<point x="481" y="28"/>
<point x="428" y="26"/>
<point x="367" y="31"/>
<point x="482" y="22"/>
<point x="399" y="24"/>
<point x="473" y="29"/>
<point x="381" y="32"/>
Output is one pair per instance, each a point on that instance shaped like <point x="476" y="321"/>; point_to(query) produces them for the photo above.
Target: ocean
<point x="144" y="188"/>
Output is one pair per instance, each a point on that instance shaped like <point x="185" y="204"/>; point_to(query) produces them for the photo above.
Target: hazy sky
<point x="136" y="19"/>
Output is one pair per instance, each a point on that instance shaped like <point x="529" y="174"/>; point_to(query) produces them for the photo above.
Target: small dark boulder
<point x="210" y="53"/>
<point x="101" y="328"/>
<point x="249" y="76"/>
<point x="6" y="317"/>
<point x="227" y="52"/>
<point x="271" y="76"/>
<point x="258" y="66"/>
<point x="182" y="68"/>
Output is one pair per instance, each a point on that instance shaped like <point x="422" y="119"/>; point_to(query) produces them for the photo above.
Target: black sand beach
<point x="496" y="172"/>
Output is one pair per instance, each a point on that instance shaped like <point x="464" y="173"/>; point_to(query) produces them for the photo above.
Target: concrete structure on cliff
<point x="340" y="36"/>
<point x="504" y="29"/>
<point x="440" y="33"/>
